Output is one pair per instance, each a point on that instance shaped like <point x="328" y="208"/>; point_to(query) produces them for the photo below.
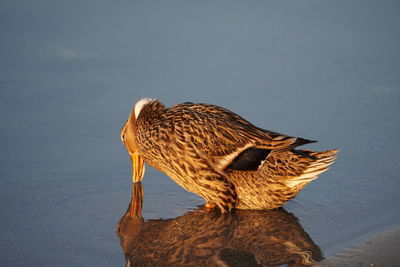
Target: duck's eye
<point x="122" y="137"/>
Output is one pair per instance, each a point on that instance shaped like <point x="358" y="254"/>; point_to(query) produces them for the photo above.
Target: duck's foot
<point x="209" y="206"/>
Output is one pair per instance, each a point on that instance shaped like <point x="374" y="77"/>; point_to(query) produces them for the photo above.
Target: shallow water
<point x="209" y="238"/>
<point x="71" y="71"/>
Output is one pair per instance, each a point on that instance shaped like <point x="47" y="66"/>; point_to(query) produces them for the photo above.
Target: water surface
<point x="70" y="73"/>
<point x="209" y="238"/>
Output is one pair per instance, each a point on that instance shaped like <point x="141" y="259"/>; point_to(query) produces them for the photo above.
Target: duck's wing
<point x="230" y="141"/>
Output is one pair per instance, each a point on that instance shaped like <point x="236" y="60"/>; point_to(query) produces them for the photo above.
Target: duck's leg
<point x="216" y="190"/>
<point x="209" y="206"/>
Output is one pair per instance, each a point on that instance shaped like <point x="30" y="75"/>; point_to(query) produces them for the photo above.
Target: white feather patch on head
<point x="140" y="104"/>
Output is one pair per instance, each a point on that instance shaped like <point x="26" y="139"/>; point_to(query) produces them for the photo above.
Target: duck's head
<point x="129" y="139"/>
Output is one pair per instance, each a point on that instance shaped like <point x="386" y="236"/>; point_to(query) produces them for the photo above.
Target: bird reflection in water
<point x="209" y="238"/>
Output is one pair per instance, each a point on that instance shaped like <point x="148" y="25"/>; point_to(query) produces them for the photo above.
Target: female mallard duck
<point x="218" y="155"/>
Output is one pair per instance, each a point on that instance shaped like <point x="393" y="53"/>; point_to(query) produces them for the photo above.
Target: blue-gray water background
<point x="70" y="72"/>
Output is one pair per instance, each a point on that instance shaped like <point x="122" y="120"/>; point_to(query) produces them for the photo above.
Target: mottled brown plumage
<point x="215" y="153"/>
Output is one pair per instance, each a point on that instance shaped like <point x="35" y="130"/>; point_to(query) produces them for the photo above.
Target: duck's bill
<point x="137" y="167"/>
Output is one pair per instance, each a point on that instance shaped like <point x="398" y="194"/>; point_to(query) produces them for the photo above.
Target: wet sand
<point x="379" y="251"/>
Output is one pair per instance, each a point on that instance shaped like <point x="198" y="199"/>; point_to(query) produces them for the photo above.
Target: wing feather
<point x="223" y="135"/>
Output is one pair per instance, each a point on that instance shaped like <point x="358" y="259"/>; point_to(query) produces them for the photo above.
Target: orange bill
<point x="137" y="167"/>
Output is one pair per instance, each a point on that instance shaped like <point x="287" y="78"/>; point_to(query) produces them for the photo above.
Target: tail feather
<point x="312" y="167"/>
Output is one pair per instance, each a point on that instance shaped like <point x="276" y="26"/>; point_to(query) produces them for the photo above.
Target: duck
<point x="220" y="156"/>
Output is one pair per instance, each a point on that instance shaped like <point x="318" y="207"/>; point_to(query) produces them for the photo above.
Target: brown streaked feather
<point x="223" y="135"/>
<point x="168" y="144"/>
<point x="280" y="178"/>
<point x="233" y="125"/>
